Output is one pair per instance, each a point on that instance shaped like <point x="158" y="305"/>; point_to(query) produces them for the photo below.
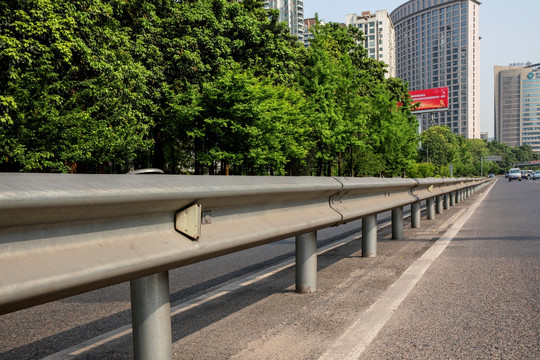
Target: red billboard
<point x="430" y="99"/>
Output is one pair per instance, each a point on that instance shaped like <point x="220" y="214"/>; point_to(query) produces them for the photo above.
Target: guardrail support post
<point x="430" y="209"/>
<point x="397" y="223"/>
<point x="369" y="236"/>
<point x="439" y="205"/>
<point x="446" y="201"/>
<point x="151" y="317"/>
<point x="415" y="214"/>
<point x="452" y="198"/>
<point x="458" y="196"/>
<point x="306" y="262"/>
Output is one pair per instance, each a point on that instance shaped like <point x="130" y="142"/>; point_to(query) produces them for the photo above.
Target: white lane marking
<point x="361" y="333"/>
<point x="103" y="339"/>
<point x="452" y="219"/>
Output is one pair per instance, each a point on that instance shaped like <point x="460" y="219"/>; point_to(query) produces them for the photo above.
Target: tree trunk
<point x="158" y="160"/>
<point x="329" y="168"/>
<point x="198" y="148"/>
<point x="339" y="164"/>
<point x="352" y="162"/>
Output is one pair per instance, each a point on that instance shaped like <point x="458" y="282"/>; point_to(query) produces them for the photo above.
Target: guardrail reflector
<point x="188" y="221"/>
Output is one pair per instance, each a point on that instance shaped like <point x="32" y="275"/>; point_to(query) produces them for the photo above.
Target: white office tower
<point x="379" y="36"/>
<point x="292" y="12"/>
<point x="438" y="45"/>
<point x="517" y="105"/>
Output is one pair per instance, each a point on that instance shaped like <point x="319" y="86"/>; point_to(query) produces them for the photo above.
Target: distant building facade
<point x="484" y="136"/>
<point x="438" y="45"/>
<point x="308" y="34"/>
<point x="379" y="36"/>
<point x="517" y="105"/>
<point x="292" y="12"/>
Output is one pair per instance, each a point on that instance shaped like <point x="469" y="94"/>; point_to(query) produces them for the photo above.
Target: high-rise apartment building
<point x="438" y="45"/>
<point x="517" y="105"/>
<point x="292" y="12"/>
<point x="379" y="36"/>
<point x="308" y="34"/>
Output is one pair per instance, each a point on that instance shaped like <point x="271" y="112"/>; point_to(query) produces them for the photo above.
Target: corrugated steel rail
<point x="62" y="235"/>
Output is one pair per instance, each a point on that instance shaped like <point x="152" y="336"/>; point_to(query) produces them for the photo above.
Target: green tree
<point x="524" y="153"/>
<point x="392" y="131"/>
<point x="439" y="145"/>
<point x="470" y="156"/>
<point x="250" y="126"/>
<point x="320" y="79"/>
<point x="354" y="109"/>
<point x="71" y="89"/>
<point x="202" y="41"/>
<point x="194" y="86"/>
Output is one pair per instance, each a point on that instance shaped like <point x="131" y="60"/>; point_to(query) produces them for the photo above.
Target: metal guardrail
<point x="61" y="235"/>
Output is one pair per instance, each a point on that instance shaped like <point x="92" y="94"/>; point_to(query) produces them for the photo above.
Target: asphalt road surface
<point x="478" y="299"/>
<point x="481" y="298"/>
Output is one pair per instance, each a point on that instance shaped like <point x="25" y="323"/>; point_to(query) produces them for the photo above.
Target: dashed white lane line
<point x="361" y="333"/>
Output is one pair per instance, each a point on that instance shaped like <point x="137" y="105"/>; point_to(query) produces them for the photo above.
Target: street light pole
<point x="482" y="166"/>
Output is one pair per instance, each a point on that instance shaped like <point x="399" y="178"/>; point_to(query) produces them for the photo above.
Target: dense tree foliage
<point x="71" y="90"/>
<point x="440" y="148"/>
<point x="353" y="110"/>
<point x="204" y="87"/>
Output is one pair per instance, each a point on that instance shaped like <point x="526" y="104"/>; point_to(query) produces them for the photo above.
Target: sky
<point x="509" y="31"/>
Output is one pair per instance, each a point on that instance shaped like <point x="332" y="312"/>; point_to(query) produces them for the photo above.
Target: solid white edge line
<point x="361" y="333"/>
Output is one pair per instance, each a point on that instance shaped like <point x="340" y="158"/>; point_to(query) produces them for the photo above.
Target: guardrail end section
<point x="188" y="221"/>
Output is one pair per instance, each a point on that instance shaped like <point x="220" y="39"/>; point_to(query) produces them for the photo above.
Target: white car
<point x="536" y="175"/>
<point x="514" y="174"/>
<point x="526" y="174"/>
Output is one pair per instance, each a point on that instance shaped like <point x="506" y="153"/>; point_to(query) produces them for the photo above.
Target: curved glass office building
<point x="438" y="45"/>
